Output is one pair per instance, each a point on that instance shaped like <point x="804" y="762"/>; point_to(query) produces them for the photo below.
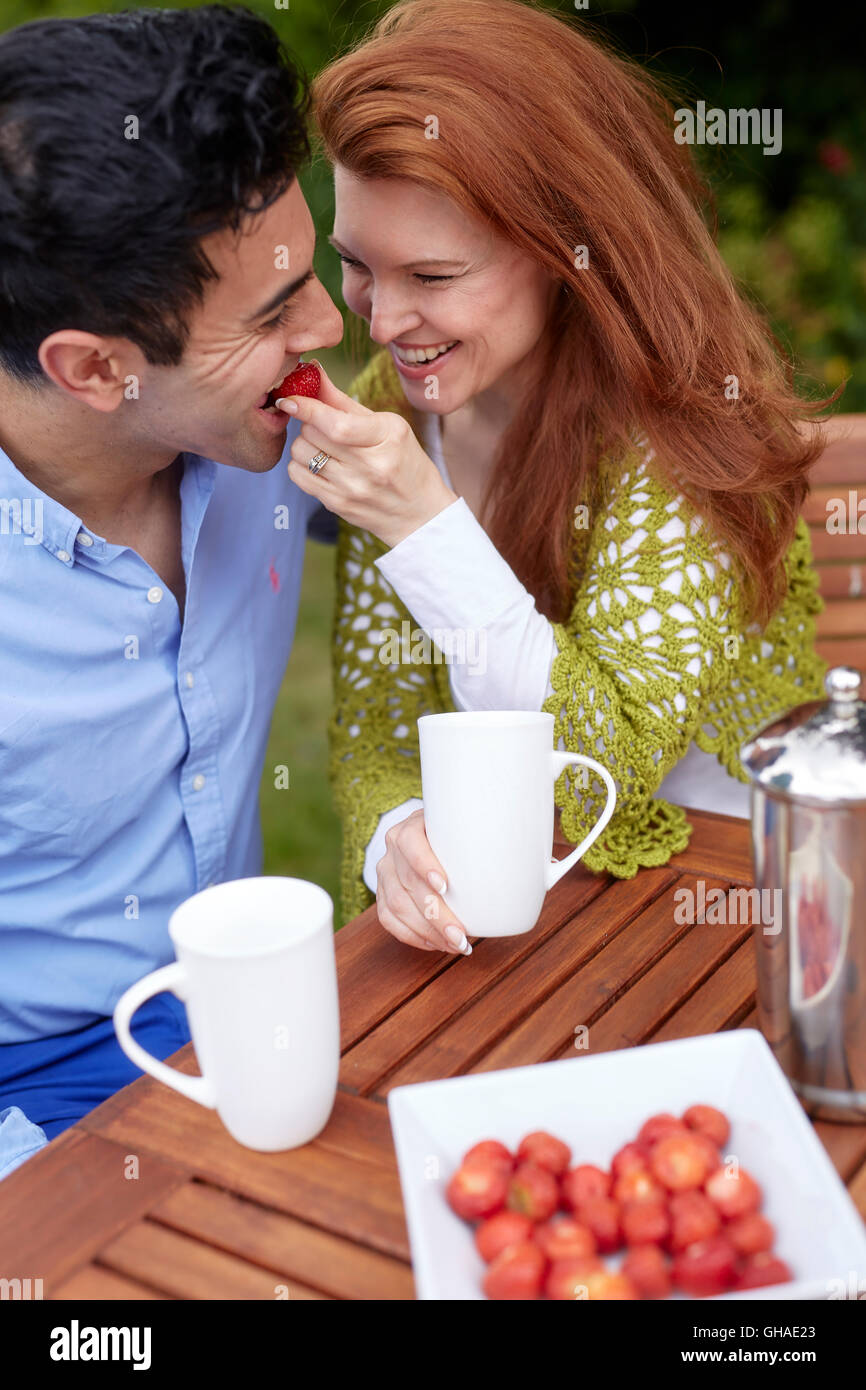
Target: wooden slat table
<point x="148" y="1197"/>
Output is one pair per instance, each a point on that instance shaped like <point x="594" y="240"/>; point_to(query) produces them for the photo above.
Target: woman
<point x="597" y="505"/>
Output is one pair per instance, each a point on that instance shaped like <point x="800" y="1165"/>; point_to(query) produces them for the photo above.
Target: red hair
<point x="557" y="142"/>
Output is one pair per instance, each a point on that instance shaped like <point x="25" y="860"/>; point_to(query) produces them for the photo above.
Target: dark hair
<point x="100" y="231"/>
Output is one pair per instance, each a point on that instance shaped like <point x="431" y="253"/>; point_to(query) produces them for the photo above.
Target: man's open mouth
<point x="277" y="420"/>
<point x="305" y="379"/>
<point x="268" y="402"/>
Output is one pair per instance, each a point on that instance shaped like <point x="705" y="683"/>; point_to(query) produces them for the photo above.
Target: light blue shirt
<point x="131" y="745"/>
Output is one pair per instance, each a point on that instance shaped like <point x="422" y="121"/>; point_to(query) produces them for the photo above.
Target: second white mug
<point x="256" y="970"/>
<point x="487" y="782"/>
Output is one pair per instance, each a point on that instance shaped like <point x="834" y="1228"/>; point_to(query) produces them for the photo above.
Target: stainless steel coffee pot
<point x="808" y="802"/>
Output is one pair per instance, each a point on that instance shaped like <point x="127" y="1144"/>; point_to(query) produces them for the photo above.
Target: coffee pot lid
<point x="816" y="752"/>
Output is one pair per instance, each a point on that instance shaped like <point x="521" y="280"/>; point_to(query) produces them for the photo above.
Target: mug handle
<point x="555" y="870"/>
<point x="171" y="977"/>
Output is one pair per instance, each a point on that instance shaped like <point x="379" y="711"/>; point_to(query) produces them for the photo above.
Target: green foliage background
<point x="791" y="226"/>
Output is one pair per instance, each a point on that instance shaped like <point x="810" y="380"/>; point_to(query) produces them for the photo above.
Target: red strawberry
<point x="488" y="1151"/>
<point x="648" y="1269"/>
<point x="533" y="1192"/>
<point x="545" y="1150"/>
<point x="517" y="1272"/>
<point x="477" y="1191"/>
<point x="583" y="1182"/>
<point x="305" y="380"/>
<point x="710" y="1266"/>
<point x="762" y="1269"/>
<point x="498" y="1232"/>
<point x="602" y="1216"/>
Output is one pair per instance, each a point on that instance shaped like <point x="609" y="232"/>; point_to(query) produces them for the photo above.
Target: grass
<point x="300" y="826"/>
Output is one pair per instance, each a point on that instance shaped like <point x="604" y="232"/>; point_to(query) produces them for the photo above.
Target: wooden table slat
<point x="357" y="1128"/>
<point x="416" y="1021"/>
<point x="313" y="1257"/>
<point x="385" y="973"/>
<point x="346" y="1195"/>
<point x="692" y="961"/>
<point x="500" y="1021"/>
<point x="61" y="1206"/>
<point x="719" y="846"/>
<point x="720" y="1003"/>
<point x="95" y="1284"/>
<point x="549" y="1031"/>
<point x="188" y="1269"/>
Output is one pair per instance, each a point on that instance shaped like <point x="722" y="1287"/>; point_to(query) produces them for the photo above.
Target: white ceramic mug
<point x="489" y="814"/>
<point x="256" y="970"/>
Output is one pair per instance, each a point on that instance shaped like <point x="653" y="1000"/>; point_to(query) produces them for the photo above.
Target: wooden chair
<point x="840" y="472"/>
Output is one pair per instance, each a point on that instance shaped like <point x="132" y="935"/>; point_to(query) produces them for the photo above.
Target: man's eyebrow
<point x="282" y="295"/>
<point x="429" y="260"/>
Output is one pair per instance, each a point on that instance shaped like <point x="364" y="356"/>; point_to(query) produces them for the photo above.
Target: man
<point x="155" y="283"/>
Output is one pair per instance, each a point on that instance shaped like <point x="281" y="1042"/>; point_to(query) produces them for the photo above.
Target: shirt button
<point x="155" y="594"/>
<point x="190" y="680"/>
<point x="63" y="555"/>
<point x="84" y="539"/>
<point x="198" y="782"/>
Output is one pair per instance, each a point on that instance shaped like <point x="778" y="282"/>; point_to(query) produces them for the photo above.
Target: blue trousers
<point x="48" y="1083"/>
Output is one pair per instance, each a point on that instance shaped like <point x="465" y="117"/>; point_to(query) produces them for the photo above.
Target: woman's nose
<point x="390" y="318"/>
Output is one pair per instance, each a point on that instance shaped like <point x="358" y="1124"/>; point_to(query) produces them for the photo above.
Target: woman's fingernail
<point x="456" y="937"/>
<point x="437" y="881"/>
<point x="288" y="404"/>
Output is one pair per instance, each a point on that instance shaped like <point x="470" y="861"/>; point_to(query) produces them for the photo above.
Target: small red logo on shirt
<point x="274" y="578"/>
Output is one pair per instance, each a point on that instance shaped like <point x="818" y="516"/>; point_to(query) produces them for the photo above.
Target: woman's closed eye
<point x="424" y="279"/>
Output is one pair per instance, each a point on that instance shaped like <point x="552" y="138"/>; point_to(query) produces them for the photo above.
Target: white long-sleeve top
<point x="451" y="577"/>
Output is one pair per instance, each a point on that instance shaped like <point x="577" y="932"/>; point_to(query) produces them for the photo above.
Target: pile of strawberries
<point x="687" y="1219"/>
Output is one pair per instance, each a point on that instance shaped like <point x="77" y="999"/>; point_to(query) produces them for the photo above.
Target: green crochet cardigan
<point x="655" y="655"/>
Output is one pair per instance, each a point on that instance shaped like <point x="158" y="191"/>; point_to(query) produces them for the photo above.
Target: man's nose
<point x="332" y="322"/>
<point x="325" y="325"/>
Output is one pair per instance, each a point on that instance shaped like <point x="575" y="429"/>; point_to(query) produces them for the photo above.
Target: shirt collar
<point x="26" y="510"/>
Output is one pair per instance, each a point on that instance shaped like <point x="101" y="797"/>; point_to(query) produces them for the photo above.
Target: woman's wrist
<point x="435" y="500"/>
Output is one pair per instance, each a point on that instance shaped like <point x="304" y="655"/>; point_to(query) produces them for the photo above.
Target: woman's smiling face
<point x="425" y="277"/>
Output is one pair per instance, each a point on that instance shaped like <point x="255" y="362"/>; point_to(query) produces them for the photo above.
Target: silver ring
<point x="317" y="462"/>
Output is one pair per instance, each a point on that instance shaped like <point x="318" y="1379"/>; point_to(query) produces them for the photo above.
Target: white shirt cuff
<point x="376" y="848"/>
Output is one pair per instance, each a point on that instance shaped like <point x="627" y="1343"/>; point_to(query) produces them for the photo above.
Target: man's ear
<point x="92" y="369"/>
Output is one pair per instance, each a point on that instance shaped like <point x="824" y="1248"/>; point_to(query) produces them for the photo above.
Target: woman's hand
<point x="377" y="476"/>
<point x="410" y="882"/>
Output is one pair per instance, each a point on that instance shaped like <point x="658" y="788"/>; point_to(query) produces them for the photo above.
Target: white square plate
<point x="597" y="1104"/>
